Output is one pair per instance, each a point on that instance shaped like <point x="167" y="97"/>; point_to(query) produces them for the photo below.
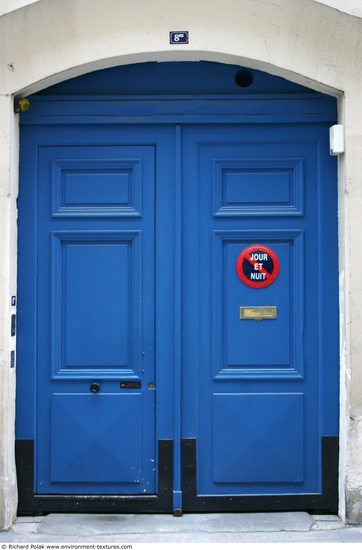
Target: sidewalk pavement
<point x="126" y="528"/>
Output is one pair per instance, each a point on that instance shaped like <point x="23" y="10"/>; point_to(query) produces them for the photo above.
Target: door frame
<point x="176" y="458"/>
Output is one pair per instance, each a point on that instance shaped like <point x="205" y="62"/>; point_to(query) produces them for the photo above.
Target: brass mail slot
<point x="258" y="313"/>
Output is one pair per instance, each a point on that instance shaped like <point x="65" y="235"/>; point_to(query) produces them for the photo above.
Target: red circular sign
<point x="257" y="266"/>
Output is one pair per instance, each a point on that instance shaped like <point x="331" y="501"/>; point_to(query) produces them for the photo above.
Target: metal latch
<point x="130" y="384"/>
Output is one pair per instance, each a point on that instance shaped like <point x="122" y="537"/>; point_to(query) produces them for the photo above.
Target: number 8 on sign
<point x="257" y="266"/>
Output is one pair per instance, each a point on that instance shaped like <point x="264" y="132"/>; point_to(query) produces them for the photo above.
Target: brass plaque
<point x="258" y="313"/>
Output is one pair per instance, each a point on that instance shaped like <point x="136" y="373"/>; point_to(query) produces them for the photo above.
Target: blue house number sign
<point x="179" y="37"/>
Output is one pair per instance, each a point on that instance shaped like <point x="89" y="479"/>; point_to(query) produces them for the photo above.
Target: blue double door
<point x="136" y="328"/>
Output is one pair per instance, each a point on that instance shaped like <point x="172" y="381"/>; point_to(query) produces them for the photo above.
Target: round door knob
<point x="95" y="387"/>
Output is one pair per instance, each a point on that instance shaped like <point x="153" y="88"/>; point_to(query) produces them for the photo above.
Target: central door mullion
<point x="177" y="492"/>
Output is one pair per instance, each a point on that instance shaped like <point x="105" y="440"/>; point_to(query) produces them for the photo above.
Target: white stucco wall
<point x="348" y="6"/>
<point x="302" y="40"/>
<point x="8" y="185"/>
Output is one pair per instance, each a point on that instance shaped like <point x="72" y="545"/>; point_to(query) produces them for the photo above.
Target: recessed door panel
<point x="96" y="186"/>
<point x="274" y="344"/>
<point x="270" y="423"/>
<point x="83" y="449"/>
<point x="94" y="324"/>
<point x="251" y="186"/>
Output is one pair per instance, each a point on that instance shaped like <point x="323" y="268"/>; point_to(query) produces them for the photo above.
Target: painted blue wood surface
<point x="171" y="78"/>
<point x="233" y="368"/>
<point x="93" y="265"/>
<point x="132" y="212"/>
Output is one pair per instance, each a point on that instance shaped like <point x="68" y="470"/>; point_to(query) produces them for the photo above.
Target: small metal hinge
<point x="21" y="104"/>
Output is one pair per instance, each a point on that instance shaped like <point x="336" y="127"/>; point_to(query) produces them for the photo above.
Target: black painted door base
<point x="41" y="504"/>
<point x="29" y="504"/>
<point x="325" y="503"/>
